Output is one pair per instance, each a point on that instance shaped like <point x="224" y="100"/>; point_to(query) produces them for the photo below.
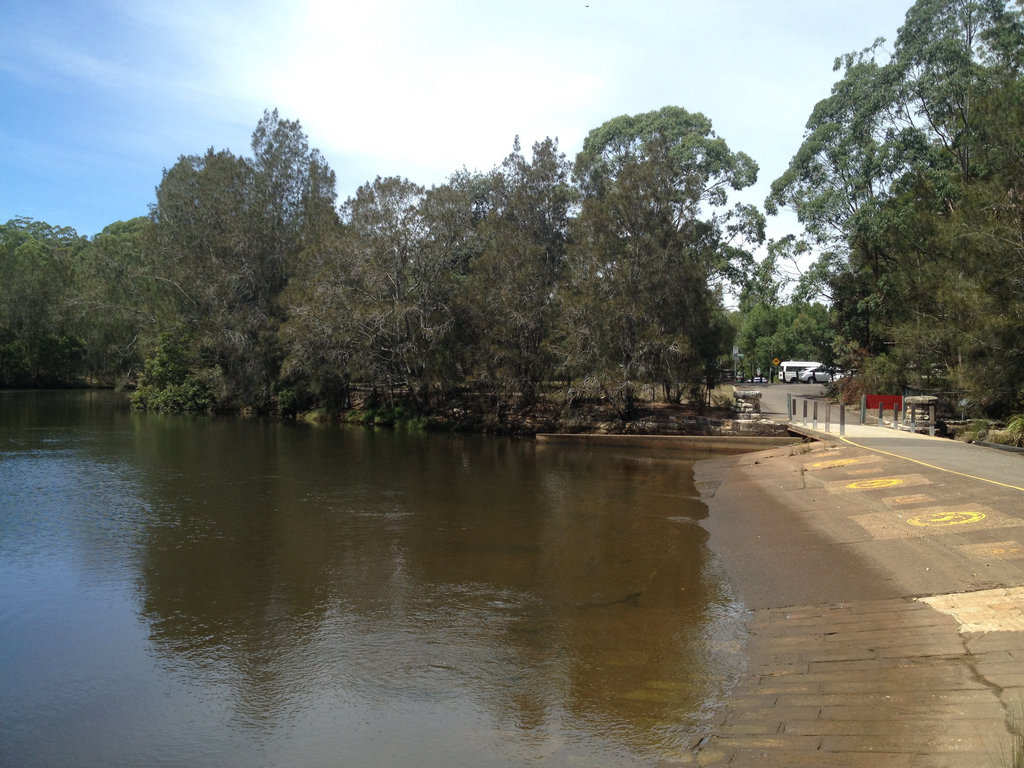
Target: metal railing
<point x="800" y="409"/>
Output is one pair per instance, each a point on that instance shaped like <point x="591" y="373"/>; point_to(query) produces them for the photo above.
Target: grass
<point x="1014" y="756"/>
<point x="1017" y="736"/>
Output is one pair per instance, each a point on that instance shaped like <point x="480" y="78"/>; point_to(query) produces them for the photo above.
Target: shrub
<point x="287" y="404"/>
<point x="1015" y="430"/>
<point x="976" y="430"/>
<point x="882" y="375"/>
<point x="168" y="383"/>
<point x="188" y="397"/>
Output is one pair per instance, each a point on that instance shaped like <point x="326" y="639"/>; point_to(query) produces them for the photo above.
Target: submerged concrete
<point x="886" y="611"/>
<point x="702" y="443"/>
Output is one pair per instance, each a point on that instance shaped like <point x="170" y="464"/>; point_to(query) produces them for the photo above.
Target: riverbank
<point x="886" y="623"/>
<point x="485" y="415"/>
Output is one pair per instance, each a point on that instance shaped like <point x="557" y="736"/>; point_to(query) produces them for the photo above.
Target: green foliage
<point x="639" y="305"/>
<point x="608" y="280"/>
<point x="796" y="330"/>
<point x="1015" y="430"/>
<point x="702" y="162"/>
<point x="507" y="298"/>
<point x="118" y="304"/>
<point x="170" y="382"/>
<point x="402" y="283"/>
<point x="227" y="232"/>
<point x="882" y="375"/>
<point x="978" y="429"/>
<point x="39" y="340"/>
<point x="376" y="414"/>
<point x="190" y="396"/>
<point x="14" y="365"/>
<point x="287" y="404"/>
<point x="907" y="182"/>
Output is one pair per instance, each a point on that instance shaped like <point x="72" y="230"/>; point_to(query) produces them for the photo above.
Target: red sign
<point x="888" y="402"/>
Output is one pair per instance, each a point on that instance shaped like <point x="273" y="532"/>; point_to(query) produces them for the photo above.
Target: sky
<point x="98" y="97"/>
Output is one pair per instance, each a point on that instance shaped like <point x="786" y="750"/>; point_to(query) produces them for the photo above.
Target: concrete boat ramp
<point x="884" y="572"/>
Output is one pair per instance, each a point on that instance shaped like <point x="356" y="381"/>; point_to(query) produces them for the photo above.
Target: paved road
<point x="978" y="462"/>
<point x="992" y="465"/>
<point x="773" y="396"/>
<point x="885" y="575"/>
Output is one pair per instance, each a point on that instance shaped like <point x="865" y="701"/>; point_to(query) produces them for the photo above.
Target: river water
<point x="214" y="592"/>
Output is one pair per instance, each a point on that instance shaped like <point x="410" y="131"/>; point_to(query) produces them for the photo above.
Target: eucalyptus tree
<point x="983" y="286"/>
<point x="118" y="304"/>
<point x="840" y="178"/>
<point x="881" y="181"/>
<point x="652" y="237"/>
<point x="319" y="336"/>
<point x="963" y="64"/>
<point x="404" y="257"/>
<point x="227" y="231"/>
<point x="39" y="343"/>
<point x="513" y="282"/>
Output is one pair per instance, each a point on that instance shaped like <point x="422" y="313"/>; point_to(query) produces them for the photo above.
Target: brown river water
<point x="222" y="592"/>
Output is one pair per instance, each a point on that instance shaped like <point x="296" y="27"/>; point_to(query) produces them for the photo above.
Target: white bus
<point x="789" y="370"/>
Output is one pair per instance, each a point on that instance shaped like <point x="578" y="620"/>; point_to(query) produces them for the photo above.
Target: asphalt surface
<point x="884" y="572"/>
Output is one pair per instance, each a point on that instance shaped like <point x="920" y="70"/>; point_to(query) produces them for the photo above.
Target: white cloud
<point x="422" y="90"/>
<point x="406" y="87"/>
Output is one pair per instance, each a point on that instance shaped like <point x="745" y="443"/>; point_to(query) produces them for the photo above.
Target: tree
<point x="887" y="181"/>
<point x="118" y="304"/>
<point x="319" y="337"/>
<point x="38" y="342"/>
<point x="651" y="238"/>
<point x="402" y="277"/>
<point x="510" y="294"/>
<point x="227" y="232"/>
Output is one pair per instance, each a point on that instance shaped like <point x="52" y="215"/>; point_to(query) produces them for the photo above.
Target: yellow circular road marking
<point x="878" y="482"/>
<point x="848" y="441"/>
<point x="835" y="463"/>
<point x="947" y="518"/>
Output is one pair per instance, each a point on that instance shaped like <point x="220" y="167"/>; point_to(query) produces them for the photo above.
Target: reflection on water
<point x="210" y="592"/>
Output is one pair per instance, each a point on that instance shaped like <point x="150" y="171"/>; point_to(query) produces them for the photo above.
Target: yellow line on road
<point x="932" y="466"/>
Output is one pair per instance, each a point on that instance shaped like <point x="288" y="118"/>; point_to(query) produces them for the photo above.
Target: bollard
<point x="895" y="417"/>
<point x="913" y="420"/>
<point x="842" y="420"/>
<point x="789" y="406"/>
<point x="805" y="413"/>
<point x="863" y="409"/>
<point x="881" y="413"/>
<point x="828" y="416"/>
<point x="815" y="414"/>
<point x="931" y="420"/>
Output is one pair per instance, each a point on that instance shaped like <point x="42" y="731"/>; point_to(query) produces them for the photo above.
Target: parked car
<point x="819" y="375"/>
<point x="822" y="375"/>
